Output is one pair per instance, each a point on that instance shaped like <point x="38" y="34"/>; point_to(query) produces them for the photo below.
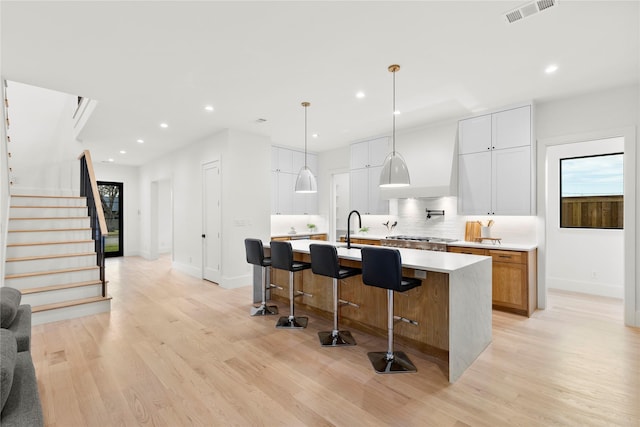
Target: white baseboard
<point x="236" y="282"/>
<point x="591" y="288"/>
<point x="187" y="269"/>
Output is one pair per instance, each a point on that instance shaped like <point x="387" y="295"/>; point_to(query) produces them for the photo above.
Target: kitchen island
<point x="452" y="307"/>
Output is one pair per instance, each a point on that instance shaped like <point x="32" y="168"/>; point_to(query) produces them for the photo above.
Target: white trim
<point x="187" y="269"/>
<point x="236" y="282"/>
<point x="631" y="314"/>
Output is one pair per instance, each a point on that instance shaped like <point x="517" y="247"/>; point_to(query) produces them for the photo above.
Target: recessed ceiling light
<point x="315" y="135"/>
<point x="110" y="160"/>
<point x="552" y="68"/>
<point x="140" y="141"/>
<point x="360" y="95"/>
<point x="164" y="125"/>
<point x="397" y="112"/>
<point x="123" y="152"/>
<point x="208" y="107"/>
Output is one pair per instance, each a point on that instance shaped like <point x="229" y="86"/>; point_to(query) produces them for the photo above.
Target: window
<point x="591" y="192"/>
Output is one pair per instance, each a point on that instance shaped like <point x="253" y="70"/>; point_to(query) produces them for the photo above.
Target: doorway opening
<point x="111" y="196"/>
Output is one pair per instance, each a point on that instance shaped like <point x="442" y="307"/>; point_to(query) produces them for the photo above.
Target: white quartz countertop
<point x="505" y="246"/>
<point x="442" y="262"/>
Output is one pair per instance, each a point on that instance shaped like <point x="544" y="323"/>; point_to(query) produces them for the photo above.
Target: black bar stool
<point x="382" y="267"/>
<point x="282" y="259"/>
<point x="324" y="261"/>
<point x="255" y="256"/>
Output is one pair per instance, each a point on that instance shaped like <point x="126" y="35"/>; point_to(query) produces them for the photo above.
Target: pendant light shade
<point x="306" y="182"/>
<point x="394" y="170"/>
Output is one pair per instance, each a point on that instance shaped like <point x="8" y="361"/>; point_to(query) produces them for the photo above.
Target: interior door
<point x="211" y="221"/>
<point x="111" y="198"/>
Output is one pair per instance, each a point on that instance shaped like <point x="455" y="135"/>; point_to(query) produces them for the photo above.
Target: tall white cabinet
<point x="367" y="158"/>
<point x="285" y="165"/>
<point x="496" y="163"/>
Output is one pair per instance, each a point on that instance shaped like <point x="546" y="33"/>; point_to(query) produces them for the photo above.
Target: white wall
<point x="128" y="176"/>
<point x="246" y="198"/>
<point x="43" y="148"/>
<point x="581" y="260"/>
<point x="596" y="115"/>
<point x="4" y="190"/>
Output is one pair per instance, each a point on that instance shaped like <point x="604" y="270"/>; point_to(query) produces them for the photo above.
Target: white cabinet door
<point x="511" y="128"/>
<point x="474" y="184"/>
<point x="284" y="186"/>
<point x="359" y="155"/>
<point x="378" y="151"/>
<point x="297" y="161"/>
<point x="377" y="206"/>
<point x="359" y="189"/>
<point x="474" y="134"/>
<point x="274" y="193"/>
<point x="282" y="160"/>
<point x="511" y="181"/>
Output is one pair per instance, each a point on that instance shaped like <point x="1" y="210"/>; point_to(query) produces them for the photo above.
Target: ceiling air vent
<point x="261" y="120"/>
<point x="528" y="9"/>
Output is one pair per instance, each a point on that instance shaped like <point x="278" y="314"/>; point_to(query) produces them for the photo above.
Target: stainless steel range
<point x="417" y="242"/>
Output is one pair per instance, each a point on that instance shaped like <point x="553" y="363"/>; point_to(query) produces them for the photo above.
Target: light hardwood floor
<point x="176" y="351"/>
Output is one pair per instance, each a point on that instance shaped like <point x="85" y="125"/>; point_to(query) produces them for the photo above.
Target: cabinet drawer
<point x="471" y="251"/>
<point x="514" y="257"/>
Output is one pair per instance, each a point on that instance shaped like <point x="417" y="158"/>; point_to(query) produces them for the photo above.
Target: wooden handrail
<point x="94" y="187"/>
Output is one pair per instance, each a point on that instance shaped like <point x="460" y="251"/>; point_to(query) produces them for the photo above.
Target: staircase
<point x="52" y="259"/>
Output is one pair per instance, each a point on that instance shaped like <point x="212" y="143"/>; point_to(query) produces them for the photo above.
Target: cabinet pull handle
<point x="504" y="256"/>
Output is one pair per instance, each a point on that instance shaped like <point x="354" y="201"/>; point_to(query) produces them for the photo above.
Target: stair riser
<point x="70" y="312"/>
<point x="38" y="250"/>
<point x="48" y="224"/>
<point x="38" y="265"/>
<point x="48" y="201"/>
<point x="61" y="295"/>
<point x="47" y="212"/>
<point x="48" y="236"/>
<point x="53" y="279"/>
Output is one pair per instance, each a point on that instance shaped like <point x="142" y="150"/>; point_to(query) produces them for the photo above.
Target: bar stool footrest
<point x="342" y="338"/>
<point x="264" y="310"/>
<point x="298" y="322"/>
<point x="398" y="364"/>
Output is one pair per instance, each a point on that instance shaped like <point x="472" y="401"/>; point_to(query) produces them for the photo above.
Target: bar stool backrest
<point x="324" y="260"/>
<point x="382" y="267"/>
<point x="255" y="251"/>
<point x="281" y="255"/>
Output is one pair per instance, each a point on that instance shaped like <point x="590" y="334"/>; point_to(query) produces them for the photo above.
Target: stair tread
<point x="48" y="197"/>
<point x="49" y="229"/>
<point x="39" y="257"/>
<point x="47" y="206"/>
<point x="44" y="273"/>
<point x="59" y="287"/>
<point x="50" y="243"/>
<point x="37" y="218"/>
<point x="45" y="307"/>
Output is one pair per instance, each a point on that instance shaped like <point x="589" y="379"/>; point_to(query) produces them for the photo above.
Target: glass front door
<point x="111" y="197"/>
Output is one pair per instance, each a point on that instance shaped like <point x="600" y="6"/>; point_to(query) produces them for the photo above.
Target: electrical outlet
<point x="420" y="274"/>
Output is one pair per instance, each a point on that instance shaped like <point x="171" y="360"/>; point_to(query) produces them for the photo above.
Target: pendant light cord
<point x="394" y="113"/>
<point x="305" y="137"/>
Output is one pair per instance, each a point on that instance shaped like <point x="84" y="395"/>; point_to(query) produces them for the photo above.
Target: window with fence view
<point x="591" y="192"/>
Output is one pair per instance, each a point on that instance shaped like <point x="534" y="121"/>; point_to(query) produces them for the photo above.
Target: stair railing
<point x="89" y="189"/>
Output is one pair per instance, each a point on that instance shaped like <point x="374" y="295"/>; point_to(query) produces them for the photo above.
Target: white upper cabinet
<point x="496" y="164"/>
<point x="366" y="162"/>
<point x="475" y="134"/>
<point x="369" y="153"/>
<point x="285" y="166"/>
<point x="511" y="128"/>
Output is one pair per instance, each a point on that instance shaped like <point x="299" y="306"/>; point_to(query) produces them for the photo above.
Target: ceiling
<point x="147" y="62"/>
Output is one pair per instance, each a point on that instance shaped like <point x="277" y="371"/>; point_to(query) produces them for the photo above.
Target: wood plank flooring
<point x="177" y="351"/>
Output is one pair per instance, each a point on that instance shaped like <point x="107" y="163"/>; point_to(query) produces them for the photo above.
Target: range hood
<point x="432" y="160"/>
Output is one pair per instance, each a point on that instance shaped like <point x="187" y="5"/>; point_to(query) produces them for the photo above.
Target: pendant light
<point x="394" y="170"/>
<point x="306" y="182"/>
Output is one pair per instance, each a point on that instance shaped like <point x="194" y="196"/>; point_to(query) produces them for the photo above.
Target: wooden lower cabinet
<point x="514" y="283"/>
<point x="309" y="236"/>
<point x="361" y="241"/>
<point x="427" y="305"/>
